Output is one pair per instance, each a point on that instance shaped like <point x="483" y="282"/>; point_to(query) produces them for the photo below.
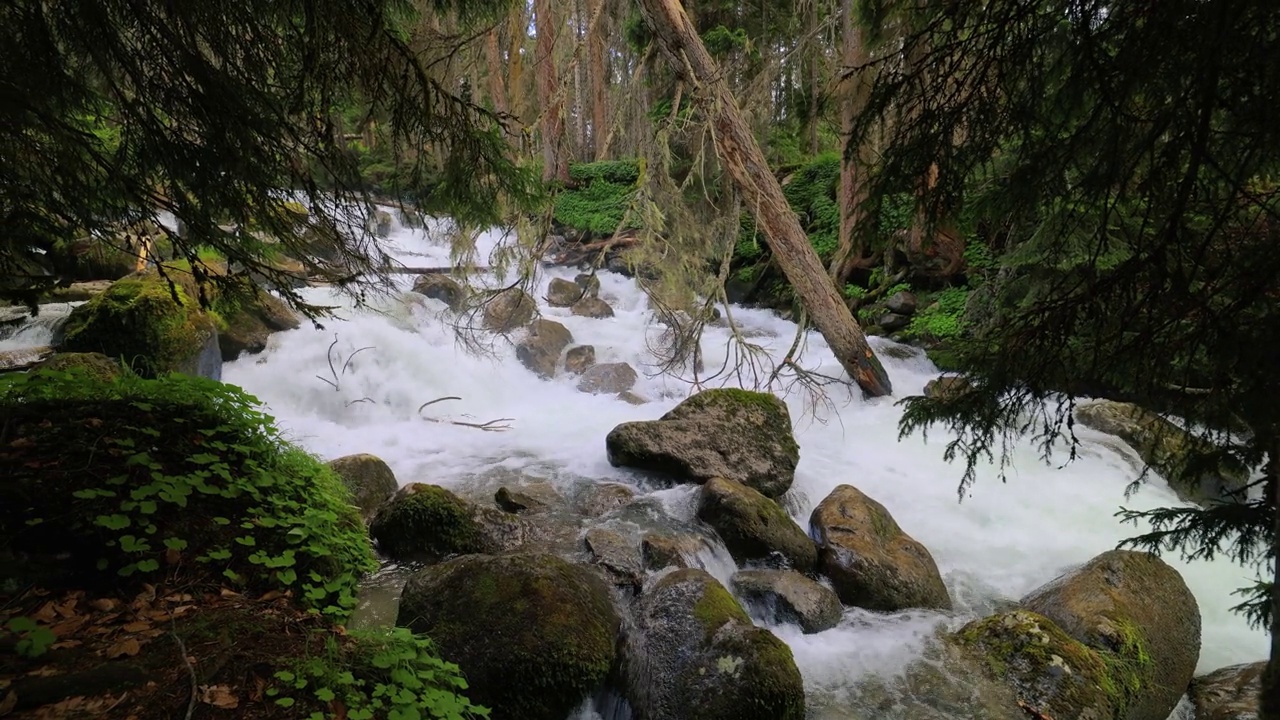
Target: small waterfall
<point x="18" y="329"/>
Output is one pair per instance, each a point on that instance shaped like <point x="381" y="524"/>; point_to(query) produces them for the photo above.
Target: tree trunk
<point x="852" y="91"/>
<point x="599" y="100"/>
<point x="493" y="58"/>
<point x="811" y="79"/>
<point x="517" y="28"/>
<point x="554" y="158"/>
<point x="760" y="190"/>
<point x="1270" y="700"/>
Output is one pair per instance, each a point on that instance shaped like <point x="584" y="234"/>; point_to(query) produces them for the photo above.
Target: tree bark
<point x="554" y="158"/>
<point x="1270" y="695"/>
<point x="599" y="101"/>
<point x="493" y="58"/>
<point x="762" y="194"/>
<point x="852" y="91"/>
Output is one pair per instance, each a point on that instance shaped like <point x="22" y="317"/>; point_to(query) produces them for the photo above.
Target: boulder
<point x="439" y="286"/>
<point x="592" y="307"/>
<point x="1133" y="606"/>
<point x="946" y="387"/>
<point x="1230" y="693"/>
<point x="541" y="347"/>
<point x="889" y="321"/>
<point x="617" y="554"/>
<point x="631" y="398"/>
<point x="533" y="635"/>
<point x="138" y="321"/>
<point x="563" y="293"/>
<point x="786" y="596"/>
<point x="608" y="379"/>
<point x="580" y="358"/>
<point x="427" y="522"/>
<point x="700" y="658"/>
<point x="77" y="291"/>
<point x="1050" y="674"/>
<point x="369" y="479"/>
<point x="605" y="497"/>
<point x="530" y="495"/>
<point x="249" y="319"/>
<point x="901" y="303"/>
<point x="381" y="223"/>
<point x="589" y="282"/>
<point x="753" y="527"/>
<point x="662" y="551"/>
<point x="871" y="562"/>
<point x="734" y="434"/>
<point x="509" y="309"/>
<point x="95" y="365"/>
<point x="410" y="217"/>
<point x="1196" y="470"/>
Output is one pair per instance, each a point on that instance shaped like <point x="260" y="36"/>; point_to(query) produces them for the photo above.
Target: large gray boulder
<point x="534" y="635"/>
<point x="699" y="657"/>
<point x="509" y="309"/>
<point x="563" y="293"/>
<point x="608" y="379"/>
<point x="369" y="479"/>
<point x="1229" y="693"/>
<point x="443" y="288"/>
<point x="754" y="527"/>
<point x="1130" y="605"/>
<point x="789" y="597"/>
<point x="734" y="434"/>
<point x="872" y="563"/>
<point x="592" y="307"/>
<point x="541" y="346"/>
<point x="1195" y="469"/>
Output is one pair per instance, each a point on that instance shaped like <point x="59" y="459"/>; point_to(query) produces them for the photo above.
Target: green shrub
<point x="140" y="479"/>
<point x="943" y="318"/>
<point x="619" y="172"/>
<point x="598" y="207"/>
<point x="812" y="195"/>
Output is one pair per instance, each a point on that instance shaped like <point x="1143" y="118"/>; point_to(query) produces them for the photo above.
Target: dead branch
<point x="497" y="425"/>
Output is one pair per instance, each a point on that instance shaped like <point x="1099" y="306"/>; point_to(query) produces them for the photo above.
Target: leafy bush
<point x="943" y="318"/>
<point x="600" y="200"/>
<point x="138" y="478"/>
<point x="619" y="172"/>
<point x="812" y="195"/>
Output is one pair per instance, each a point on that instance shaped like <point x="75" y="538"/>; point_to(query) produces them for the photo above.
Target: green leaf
<point x="113" y="522"/>
<point x="148" y="565"/>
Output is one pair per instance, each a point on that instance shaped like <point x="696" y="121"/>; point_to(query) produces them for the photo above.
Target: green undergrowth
<point x="941" y="317"/>
<point x="599" y="197"/>
<point x="171" y="479"/>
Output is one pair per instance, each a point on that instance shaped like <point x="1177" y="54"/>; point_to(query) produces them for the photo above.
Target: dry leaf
<point x="219" y="696"/>
<point x="172" y="557"/>
<point x="129" y="647"/>
<point x="9" y="703"/>
<point x="67" y="627"/>
<point x="182" y="610"/>
<point x="104" y="604"/>
<point x="272" y="595"/>
<point x="46" y="613"/>
<point x="45" y="671"/>
<point x="184" y="597"/>
<point x="137" y="626"/>
<point x="228" y="593"/>
<point x="66" y="609"/>
<point x="66" y="644"/>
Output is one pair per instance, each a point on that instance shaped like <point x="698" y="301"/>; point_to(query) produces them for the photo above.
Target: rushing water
<point x="1002" y="541"/>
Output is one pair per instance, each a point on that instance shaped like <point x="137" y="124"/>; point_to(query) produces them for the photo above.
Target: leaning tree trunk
<point x="762" y="194"/>
<point x="1270" y="695"/>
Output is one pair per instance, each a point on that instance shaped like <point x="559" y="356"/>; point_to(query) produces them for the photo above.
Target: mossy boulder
<point x="443" y="288"/>
<point x="1134" y="607"/>
<point x="425" y="521"/>
<point x="540" y="349"/>
<point x="508" y="310"/>
<point x="787" y="596"/>
<point x="1229" y="693"/>
<point x="95" y="365"/>
<point x="872" y="563"/>
<point x="735" y="434"/>
<point x="533" y="634"/>
<point x="754" y="527"/>
<point x="248" y="318"/>
<point x="149" y="326"/>
<point x="370" y="480"/>
<point x="700" y="658"/>
<point x="1197" y="471"/>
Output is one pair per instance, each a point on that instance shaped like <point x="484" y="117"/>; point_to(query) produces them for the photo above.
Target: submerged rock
<point x="872" y="563"/>
<point x="580" y="358"/>
<point x="735" y="434"/>
<point x="541" y="347"/>
<point x="787" y="596"/>
<point x="510" y="309"/>
<point x="1135" y="607"/>
<point x="563" y="293"/>
<point x="946" y="387"/>
<point x="592" y="307"/>
<point x="369" y="479"/>
<point x="608" y="379"/>
<point x="533" y="634"/>
<point x="753" y="527"/>
<point x="605" y="497"/>
<point x="1229" y="693"/>
<point x="698" y="657"/>
<point x="618" y="554"/>
<point x="530" y="496"/>
<point x="441" y="287"/>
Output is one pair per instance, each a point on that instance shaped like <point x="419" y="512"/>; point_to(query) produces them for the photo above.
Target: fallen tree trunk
<point x="763" y="196"/>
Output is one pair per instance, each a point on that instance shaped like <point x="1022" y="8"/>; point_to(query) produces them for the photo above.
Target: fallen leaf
<point x="175" y="598"/>
<point x="219" y="696"/>
<point x="66" y="644"/>
<point x="22" y="442"/>
<point x="137" y="626"/>
<point x="9" y="703"/>
<point x="128" y="647"/>
<point x="46" y="613"/>
<point x="45" y="671"/>
<point x="67" y="627"/>
<point x="272" y="595"/>
<point x="182" y="610"/>
<point x="228" y="593"/>
<point x="104" y="604"/>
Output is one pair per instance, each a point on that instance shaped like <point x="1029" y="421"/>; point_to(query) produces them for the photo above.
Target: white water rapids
<point x="1002" y="541"/>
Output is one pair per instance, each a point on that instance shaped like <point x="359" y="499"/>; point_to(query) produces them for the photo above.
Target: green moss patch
<point x="426" y="522"/>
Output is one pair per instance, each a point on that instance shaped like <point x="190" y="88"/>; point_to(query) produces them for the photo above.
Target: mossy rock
<point x="754" y="527"/>
<point x="735" y="434"/>
<point x="787" y="596"/>
<point x="1049" y="672"/>
<point x="533" y="634"/>
<point x="248" y="318"/>
<point x="139" y="321"/>
<point x="426" y="522"/>
<point x="1229" y="693"/>
<point x="702" y="659"/>
<point x="1136" y="609"/>
<point x="872" y="563"/>
<point x="370" y="480"/>
<point x="95" y="365"/>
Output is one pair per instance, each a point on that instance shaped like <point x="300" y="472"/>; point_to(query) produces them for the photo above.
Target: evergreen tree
<point x="1120" y="161"/>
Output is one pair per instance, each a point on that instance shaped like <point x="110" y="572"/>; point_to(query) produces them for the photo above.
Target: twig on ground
<point x="195" y="682"/>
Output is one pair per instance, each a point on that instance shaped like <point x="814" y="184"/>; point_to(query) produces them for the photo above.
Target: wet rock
<point x="439" y="286"/>
<point x="734" y="434"/>
<point x="510" y="309"/>
<point x="1196" y="470"/>
<point x="662" y="551"/>
<point x="889" y="322"/>
<point x="541" y="347"/>
<point x="607" y="379"/>
<point x="945" y="387"/>
<point x="872" y="563"/>
<point x="787" y="596"/>
<point x="603" y="498"/>
<point x="589" y="282"/>
<point x="617" y="554"/>
<point x="381" y="223"/>
<point x="901" y="303"/>
<point x="563" y="293"/>
<point x="580" y="358"/>
<point x="533" y="635"/>
<point x="249" y="322"/>
<point x="631" y="398"/>
<point x="753" y="527"/>
<point x="702" y="659"/>
<point x="428" y="522"/>
<point x="532" y="496"/>
<point x="76" y="291"/>
<point x="592" y="307"/>
<point x="369" y="479"/>
<point x="95" y="365"/>
<point x="1135" y="607"/>
<point x="1230" y="693"/>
